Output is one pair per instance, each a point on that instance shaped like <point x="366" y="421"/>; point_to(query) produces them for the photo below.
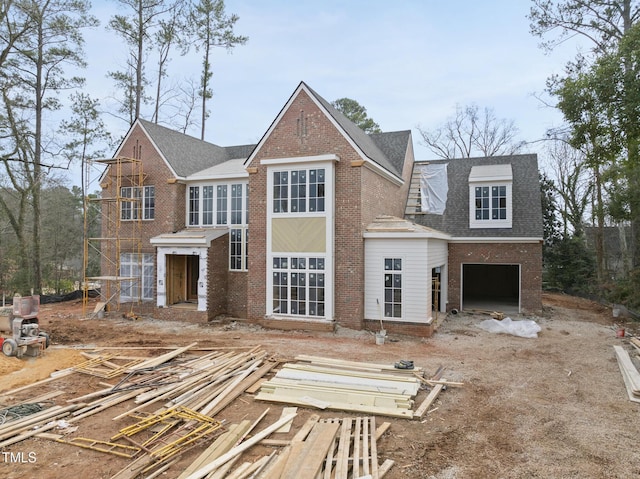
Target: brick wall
<point x="169" y="201"/>
<point x="360" y="195"/>
<point x="237" y="293"/>
<point x="217" y="281"/>
<point x="528" y="255"/>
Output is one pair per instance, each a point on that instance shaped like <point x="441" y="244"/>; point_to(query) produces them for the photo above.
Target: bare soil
<point x="550" y="407"/>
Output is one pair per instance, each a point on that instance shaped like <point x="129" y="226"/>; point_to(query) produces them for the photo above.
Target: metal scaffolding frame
<point x="118" y="235"/>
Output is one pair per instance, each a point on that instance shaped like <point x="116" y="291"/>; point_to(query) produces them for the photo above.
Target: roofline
<point x="495" y="239"/>
<point x="407" y="235"/>
<point x="303" y="86"/>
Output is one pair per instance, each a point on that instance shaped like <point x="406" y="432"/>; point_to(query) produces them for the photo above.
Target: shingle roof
<point x="386" y="149"/>
<point x="188" y="155"/>
<point x="526" y="204"/>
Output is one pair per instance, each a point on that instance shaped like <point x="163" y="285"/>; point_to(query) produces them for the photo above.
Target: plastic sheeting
<point x="524" y="328"/>
<point x="434" y="186"/>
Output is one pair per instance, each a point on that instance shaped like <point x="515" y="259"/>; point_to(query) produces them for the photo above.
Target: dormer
<point x="490" y="196"/>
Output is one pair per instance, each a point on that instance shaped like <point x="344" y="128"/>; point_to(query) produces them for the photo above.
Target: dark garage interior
<point x="491" y="287"/>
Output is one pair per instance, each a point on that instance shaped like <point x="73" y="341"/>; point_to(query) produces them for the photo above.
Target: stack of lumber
<point x="343" y="385"/>
<point x="321" y="449"/>
<point x="629" y="372"/>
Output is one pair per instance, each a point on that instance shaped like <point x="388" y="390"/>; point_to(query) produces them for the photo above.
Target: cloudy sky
<point x="409" y="62"/>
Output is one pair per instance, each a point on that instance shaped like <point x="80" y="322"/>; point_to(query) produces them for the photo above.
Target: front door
<point x="182" y="278"/>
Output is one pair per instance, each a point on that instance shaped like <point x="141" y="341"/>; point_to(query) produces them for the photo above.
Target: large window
<point x="299" y="191"/>
<point x="141" y="267"/>
<point x="137" y="203"/>
<point x="222" y="204"/>
<point x="298" y="286"/>
<point x="393" y="288"/>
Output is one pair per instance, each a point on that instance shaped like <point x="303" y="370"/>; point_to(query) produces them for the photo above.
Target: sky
<point x="408" y="62"/>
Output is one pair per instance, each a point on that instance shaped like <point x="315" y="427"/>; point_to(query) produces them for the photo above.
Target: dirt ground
<point x="550" y="407"/>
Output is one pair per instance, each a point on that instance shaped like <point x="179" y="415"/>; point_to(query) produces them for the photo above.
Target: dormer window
<point x="490" y="196"/>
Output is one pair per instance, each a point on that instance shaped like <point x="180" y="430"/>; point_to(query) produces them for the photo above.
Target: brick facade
<point x="527" y="255"/>
<point x="360" y="195"/>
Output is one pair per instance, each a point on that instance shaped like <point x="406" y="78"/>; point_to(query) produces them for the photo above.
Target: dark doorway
<point x="491" y="287"/>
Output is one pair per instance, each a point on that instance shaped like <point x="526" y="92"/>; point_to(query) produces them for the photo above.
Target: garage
<point x="493" y="287"/>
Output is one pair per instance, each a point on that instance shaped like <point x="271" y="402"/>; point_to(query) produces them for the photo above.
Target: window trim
<point x="228" y="201"/>
<point x="289" y="271"/>
<point x="394" y="272"/>
<point x="146" y="203"/>
<point x="306" y="200"/>
<point x="490" y="223"/>
<point x="147" y="263"/>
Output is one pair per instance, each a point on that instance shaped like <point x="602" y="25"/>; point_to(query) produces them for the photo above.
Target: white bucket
<point x="380" y="338"/>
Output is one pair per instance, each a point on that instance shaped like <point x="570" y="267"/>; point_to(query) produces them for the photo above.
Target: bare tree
<point x="212" y="28"/>
<point x="473" y="133"/>
<point x="137" y="31"/>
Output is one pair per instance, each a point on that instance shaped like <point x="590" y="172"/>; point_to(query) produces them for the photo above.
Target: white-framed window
<point x="138" y="202"/>
<point x="490" y="196"/>
<point x="217" y="204"/>
<point x="141" y="267"/>
<point x="298" y="284"/>
<point x="238" y="249"/>
<point x="393" y="288"/>
<point x="223" y="204"/>
<point x="299" y="191"/>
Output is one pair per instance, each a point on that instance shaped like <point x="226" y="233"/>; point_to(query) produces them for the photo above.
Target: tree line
<point x="589" y="190"/>
<point x="41" y="63"/>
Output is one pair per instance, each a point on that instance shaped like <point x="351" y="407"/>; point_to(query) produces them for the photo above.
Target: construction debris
<point x="174" y="400"/>
<point x="629" y="372"/>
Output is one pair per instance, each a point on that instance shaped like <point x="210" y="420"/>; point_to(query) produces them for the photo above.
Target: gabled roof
<point x="371" y="148"/>
<point x="526" y="199"/>
<point x="187" y="155"/>
<point x="386" y="150"/>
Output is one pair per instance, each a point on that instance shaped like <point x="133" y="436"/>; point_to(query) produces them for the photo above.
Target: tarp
<point x="434" y="187"/>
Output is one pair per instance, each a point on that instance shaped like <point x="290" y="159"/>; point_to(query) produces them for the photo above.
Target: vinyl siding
<point x="416" y="277"/>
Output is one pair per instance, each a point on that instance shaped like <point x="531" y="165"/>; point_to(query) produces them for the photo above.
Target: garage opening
<point x="491" y="287"/>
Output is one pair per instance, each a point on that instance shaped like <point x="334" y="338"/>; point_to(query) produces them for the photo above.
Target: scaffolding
<point x="120" y="211"/>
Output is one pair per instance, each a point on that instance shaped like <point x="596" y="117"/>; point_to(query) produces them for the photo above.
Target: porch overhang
<point x="190" y="237"/>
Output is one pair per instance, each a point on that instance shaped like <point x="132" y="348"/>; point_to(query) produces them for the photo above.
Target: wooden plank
<point x="285" y="412"/>
<point x="373" y="447"/>
<point x="221" y="445"/>
<point x="356" y="447"/>
<point x="384" y="467"/>
<point x="342" y="458"/>
<point x="163" y="358"/>
<point x="391" y="412"/>
<point x="308" y="462"/>
<point x="433" y="394"/>
<point x="239" y="449"/>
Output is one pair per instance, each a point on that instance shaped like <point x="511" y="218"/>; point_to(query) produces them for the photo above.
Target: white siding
<point x="416" y="276"/>
<point x="438" y="255"/>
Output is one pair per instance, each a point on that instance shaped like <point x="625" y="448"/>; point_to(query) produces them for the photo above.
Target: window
<point x="393" y="287"/>
<point x="238" y="256"/>
<point x="207" y="205"/>
<point x="298" y="286"/>
<point x="491" y="202"/>
<point x="221" y="204"/>
<point x="140" y="266"/>
<point x="194" y="205"/>
<point x="236" y="204"/>
<point x="299" y="191"/>
<point x="135" y="200"/>
<point x="490" y="195"/>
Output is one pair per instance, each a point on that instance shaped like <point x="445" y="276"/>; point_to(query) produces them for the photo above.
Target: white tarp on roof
<point x="434" y="187"/>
